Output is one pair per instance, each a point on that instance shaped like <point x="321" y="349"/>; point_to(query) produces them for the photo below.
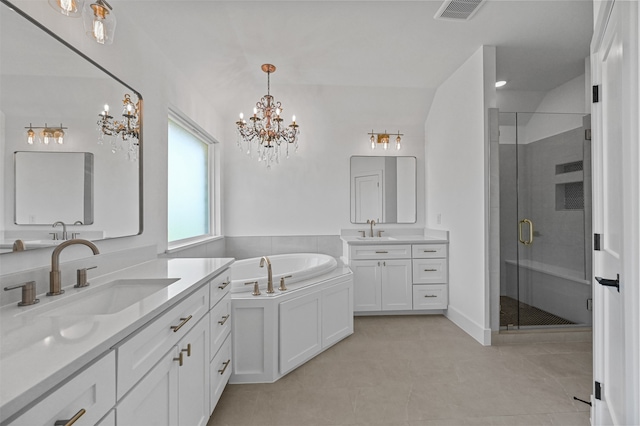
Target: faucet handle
<point x="282" y="286"/>
<point x="54" y="236"/>
<point x="82" y="277"/>
<point x="28" y="293"/>
<point x="363" y="233"/>
<point x="256" y="287"/>
<point x="380" y="233"/>
<point x="74" y="235"/>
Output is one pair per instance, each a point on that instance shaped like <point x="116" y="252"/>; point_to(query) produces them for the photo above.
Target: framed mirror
<point x="47" y="84"/>
<point x="383" y="189"/>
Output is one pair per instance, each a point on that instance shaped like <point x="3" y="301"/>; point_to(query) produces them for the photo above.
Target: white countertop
<point x="394" y="239"/>
<point x="39" y="352"/>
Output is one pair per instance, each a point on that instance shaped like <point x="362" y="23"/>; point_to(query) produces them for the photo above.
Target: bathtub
<point x="275" y="333"/>
<point x="300" y="266"/>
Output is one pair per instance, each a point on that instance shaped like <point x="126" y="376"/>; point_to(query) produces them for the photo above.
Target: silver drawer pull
<point x="382" y="251"/>
<point x="224" y="284"/>
<point x="224" y="319"/>
<point x="430" y="270"/>
<point x="226" y="364"/>
<point x="430" y="295"/>
<point x="72" y="420"/>
<point x="430" y="251"/>
<point x="179" y="326"/>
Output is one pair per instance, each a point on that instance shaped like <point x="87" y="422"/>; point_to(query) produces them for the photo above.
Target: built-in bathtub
<point x="275" y="333"/>
<point x="557" y="290"/>
<point x="298" y="268"/>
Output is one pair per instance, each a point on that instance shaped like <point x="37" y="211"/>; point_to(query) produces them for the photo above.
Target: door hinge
<point x="598" y="391"/>
<point x="589" y="304"/>
<point x="595" y="96"/>
<point x="596" y="241"/>
<point x="587" y="134"/>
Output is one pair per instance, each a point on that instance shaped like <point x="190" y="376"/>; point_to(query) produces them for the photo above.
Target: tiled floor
<point x="420" y="370"/>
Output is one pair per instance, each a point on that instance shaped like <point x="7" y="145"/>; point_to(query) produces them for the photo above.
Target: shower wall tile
<point x="247" y="247"/>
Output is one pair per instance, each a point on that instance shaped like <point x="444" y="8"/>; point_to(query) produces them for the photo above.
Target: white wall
<point x="309" y="194"/>
<point x="456" y="134"/>
<point x="138" y="62"/>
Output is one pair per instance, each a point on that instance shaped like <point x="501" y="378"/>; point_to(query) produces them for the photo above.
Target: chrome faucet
<point x="55" y="287"/>
<point x="371" y="222"/>
<point x="64" y="228"/>
<point x="264" y="259"/>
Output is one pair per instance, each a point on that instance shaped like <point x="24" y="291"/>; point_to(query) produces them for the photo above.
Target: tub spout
<point x="264" y="259"/>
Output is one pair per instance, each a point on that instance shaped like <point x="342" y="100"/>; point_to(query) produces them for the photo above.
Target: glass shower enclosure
<point x="545" y="220"/>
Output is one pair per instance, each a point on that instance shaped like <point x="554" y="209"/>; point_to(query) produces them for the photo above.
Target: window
<point x="190" y="183"/>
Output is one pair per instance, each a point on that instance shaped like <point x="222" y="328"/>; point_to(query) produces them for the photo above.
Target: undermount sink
<point x="377" y="238"/>
<point x="109" y="298"/>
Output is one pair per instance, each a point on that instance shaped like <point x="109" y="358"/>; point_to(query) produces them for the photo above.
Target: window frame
<point x="213" y="176"/>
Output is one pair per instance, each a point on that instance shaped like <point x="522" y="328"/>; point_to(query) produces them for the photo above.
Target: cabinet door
<point x="366" y="285"/>
<point x="300" y="330"/>
<point x="219" y="372"/>
<point x="154" y="400"/>
<point x="397" y="293"/>
<point x="193" y="376"/>
<point x="92" y="390"/>
<point x="337" y="313"/>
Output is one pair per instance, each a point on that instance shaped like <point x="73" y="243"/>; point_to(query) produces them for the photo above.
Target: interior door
<point x="615" y="217"/>
<point x="368" y="197"/>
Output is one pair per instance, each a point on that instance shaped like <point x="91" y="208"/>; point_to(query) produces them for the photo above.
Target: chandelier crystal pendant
<point x="125" y="133"/>
<point x="266" y="131"/>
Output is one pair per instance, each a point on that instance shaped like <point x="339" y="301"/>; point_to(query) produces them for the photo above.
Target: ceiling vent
<point x="458" y="10"/>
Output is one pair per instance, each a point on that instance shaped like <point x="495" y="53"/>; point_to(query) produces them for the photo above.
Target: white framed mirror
<point x="47" y="83"/>
<point x="383" y="189"/>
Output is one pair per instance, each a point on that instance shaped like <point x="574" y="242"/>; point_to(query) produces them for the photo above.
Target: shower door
<point x="545" y="220"/>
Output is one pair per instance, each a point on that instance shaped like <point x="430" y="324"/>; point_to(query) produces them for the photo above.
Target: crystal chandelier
<point x="383" y="138"/>
<point x="266" y="130"/>
<point x="125" y="133"/>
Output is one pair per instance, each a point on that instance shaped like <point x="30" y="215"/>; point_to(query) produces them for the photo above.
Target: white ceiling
<point x="359" y="54"/>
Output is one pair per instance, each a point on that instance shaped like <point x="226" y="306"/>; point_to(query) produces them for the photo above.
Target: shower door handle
<point x="520" y="238"/>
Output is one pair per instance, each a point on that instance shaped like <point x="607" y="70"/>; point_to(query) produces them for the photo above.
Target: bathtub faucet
<point x="264" y="259"/>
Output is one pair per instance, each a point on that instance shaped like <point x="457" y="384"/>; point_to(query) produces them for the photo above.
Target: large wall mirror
<point x="87" y="180"/>
<point x="383" y="189"/>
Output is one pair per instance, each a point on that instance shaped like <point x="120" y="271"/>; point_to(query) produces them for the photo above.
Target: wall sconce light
<point x="46" y="135"/>
<point x="127" y="130"/>
<point x="99" y="21"/>
<point x="71" y="8"/>
<point x="383" y="138"/>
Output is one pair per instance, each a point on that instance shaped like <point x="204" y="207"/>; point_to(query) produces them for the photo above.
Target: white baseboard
<point x="473" y="329"/>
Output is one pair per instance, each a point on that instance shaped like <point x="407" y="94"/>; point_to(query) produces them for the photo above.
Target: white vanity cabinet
<point x="398" y="277"/>
<point x="220" y="338"/>
<point x="89" y="395"/>
<point x="382" y="277"/>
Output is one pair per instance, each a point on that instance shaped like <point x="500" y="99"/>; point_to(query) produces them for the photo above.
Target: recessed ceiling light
<point x="500" y="83"/>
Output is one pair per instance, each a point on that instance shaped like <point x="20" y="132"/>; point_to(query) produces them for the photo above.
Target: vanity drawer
<point x="219" y="373"/>
<point x="92" y="390"/>
<point x="137" y="355"/>
<point x="220" y="323"/>
<point x="426" y="251"/>
<point x="430" y="296"/>
<point x="381" y="251"/>
<point x="426" y="271"/>
<point x="219" y="287"/>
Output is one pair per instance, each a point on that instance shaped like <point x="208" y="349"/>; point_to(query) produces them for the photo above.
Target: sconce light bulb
<point x="398" y="146"/>
<point x="293" y="118"/>
<point x="106" y="108"/>
<point x="255" y="110"/>
<point x="31" y="136"/>
<point x="241" y="116"/>
<point x="129" y="107"/>
<point x="385" y="145"/>
<point x="277" y="111"/>
<point x="98" y="30"/>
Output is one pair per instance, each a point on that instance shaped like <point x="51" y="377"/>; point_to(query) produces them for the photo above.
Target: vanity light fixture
<point x="266" y="130"/>
<point x="99" y="21"/>
<point x="127" y="130"/>
<point x="383" y="138"/>
<point x="71" y="8"/>
<point x="46" y="135"/>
